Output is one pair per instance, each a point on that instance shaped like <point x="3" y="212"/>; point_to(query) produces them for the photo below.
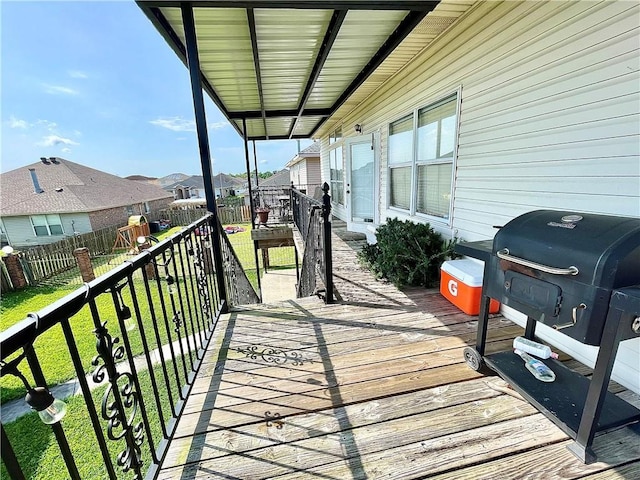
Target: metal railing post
<point x="203" y="140"/>
<point x="326" y="231"/>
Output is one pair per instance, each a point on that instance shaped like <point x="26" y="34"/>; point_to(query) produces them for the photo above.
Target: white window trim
<point x="412" y="212"/>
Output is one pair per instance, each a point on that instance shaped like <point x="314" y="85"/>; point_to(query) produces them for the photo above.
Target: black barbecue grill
<point x="566" y="270"/>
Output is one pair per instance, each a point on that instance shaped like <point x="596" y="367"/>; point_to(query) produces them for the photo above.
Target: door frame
<point x="367" y="228"/>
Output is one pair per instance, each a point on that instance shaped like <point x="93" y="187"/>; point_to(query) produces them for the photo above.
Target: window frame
<point x="414" y="164"/>
<point x="47" y="224"/>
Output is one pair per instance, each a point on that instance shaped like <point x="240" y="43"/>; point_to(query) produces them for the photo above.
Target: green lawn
<point x="38" y="452"/>
<point x="33" y="441"/>
<point x="51" y="346"/>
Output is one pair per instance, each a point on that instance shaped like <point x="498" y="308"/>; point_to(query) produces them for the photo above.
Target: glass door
<point x="361" y="180"/>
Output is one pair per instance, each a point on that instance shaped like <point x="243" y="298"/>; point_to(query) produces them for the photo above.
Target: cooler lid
<point x="466" y="270"/>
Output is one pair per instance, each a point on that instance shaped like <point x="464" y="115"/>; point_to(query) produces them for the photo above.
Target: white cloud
<point x="177" y="124"/>
<point x="77" y="74"/>
<point x="53" y="140"/>
<point x="218" y="125"/>
<point x="263" y="161"/>
<point x="17" y="123"/>
<point x="58" y="89"/>
<point x="51" y="126"/>
<point x="66" y="150"/>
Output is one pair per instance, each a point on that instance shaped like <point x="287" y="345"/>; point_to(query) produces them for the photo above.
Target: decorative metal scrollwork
<point x="197" y="255"/>
<point x="239" y="288"/>
<point x="120" y="400"/>
<point x="274" y="355"/>
<point x="273" y="420"/>
<point x="177" y="322"/>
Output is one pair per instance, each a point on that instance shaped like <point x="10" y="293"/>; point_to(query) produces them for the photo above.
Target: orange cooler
<point x="461" y="284"/>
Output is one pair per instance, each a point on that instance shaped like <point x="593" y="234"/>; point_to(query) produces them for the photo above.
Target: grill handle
<point x="504" y="255"/>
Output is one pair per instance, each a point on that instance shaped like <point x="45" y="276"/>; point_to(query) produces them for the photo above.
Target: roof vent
<point x="59" y="189"/>
<point x="54" y="160"/>
<point x="34" y="179"/>
<point x="44" y="160"/>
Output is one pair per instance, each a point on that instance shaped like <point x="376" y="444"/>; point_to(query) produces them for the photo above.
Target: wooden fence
<point x="45" y="261"/>
<point x="227" y="215"/>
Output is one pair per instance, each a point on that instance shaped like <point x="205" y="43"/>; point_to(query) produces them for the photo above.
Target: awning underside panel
<point x="285" y="68"/>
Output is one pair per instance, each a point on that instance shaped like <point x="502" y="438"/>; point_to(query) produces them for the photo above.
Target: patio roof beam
<point x="414" y="5"/>
<point x="256" y="62"/>
<point x="327" y="43"/>
<point x="405" y="27"/>
<point x="249" y="114"/>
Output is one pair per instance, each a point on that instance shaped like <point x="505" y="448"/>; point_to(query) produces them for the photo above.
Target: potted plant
<point x="263" y="214"/>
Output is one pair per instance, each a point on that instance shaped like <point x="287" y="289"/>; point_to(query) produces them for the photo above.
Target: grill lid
<point x="604" y="249"/>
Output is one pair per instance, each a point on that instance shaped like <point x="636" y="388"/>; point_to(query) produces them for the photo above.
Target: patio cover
<point x="285" y="67"/>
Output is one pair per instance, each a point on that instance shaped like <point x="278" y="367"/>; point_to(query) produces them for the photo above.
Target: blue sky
<point x="93" y="82"/>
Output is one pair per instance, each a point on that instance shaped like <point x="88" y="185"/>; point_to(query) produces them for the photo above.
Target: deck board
<point x="372" y="387"/>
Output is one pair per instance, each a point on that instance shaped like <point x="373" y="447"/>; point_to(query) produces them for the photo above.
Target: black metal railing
<point x="150" y="320"/>
<point x="239" y="288"/>
<point x="312" y="218"/>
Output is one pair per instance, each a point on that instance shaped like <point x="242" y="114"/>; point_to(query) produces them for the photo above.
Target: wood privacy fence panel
<point x="227" y="215"/>
<point x="45" y="261"/>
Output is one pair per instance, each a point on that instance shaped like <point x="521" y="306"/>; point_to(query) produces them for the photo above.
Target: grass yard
<point x="38" y="452"/>
<point x="33" y="441"/>
<point x="50" y="347"/>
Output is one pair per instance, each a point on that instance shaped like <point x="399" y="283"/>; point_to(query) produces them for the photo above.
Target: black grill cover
<point x="605" y="250"/>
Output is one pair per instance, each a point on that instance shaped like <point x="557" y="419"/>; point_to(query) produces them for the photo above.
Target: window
<point x="46" y="225"/>
<point x="335" y="136"/>
<point x="129" y="210"/>
<point x="336" y="163"/>
<point x="423" y="142"/>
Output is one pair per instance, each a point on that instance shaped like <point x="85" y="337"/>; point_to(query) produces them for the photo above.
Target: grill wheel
<point x="474" y="359"/>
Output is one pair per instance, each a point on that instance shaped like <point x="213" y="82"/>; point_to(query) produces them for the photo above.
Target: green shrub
<point x="407" y="253"/>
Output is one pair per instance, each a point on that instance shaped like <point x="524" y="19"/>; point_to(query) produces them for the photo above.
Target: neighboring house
<point x="278" y="179"/>
<point x="171" y="179"/>
<point x="55" y="198"/>
<point x="517" y="106"/>
<point x="304" y="168"/>
<point x="143" y="178"/>
<point x="193" y="187"/>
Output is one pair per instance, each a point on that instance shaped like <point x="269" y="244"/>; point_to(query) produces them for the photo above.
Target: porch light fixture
<point x="50" y="409"/>
<point x="171" y="285"/>
<point x="122" y="310"/>
<point x="358" y="128"/>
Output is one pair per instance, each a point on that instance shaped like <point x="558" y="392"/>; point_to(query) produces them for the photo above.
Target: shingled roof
<point x="221" y="180"/>
<point x="69" y="187"/>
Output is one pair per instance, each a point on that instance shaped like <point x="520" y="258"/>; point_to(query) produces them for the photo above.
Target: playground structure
<point x="127" y="236"/>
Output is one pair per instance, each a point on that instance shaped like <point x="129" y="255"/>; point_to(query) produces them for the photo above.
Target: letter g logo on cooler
<point x="453" y="287"/>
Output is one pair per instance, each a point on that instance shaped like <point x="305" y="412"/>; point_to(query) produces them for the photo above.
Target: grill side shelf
<point x="563" y="400"/>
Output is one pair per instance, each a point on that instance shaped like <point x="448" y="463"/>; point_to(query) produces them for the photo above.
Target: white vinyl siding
<point x="550" y="101"/>
<point x="20" y="231"/>
<point x="313" y="172"/>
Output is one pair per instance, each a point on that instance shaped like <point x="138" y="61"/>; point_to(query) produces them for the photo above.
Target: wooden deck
<point x="372" y="387"/>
